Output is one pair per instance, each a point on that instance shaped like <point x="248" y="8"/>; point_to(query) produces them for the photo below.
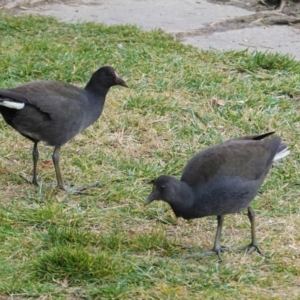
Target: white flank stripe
<point x="285" y="152"/>
<point x="14" y="105"/>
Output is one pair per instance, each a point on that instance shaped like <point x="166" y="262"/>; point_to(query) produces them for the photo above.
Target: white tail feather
<point x="11" y="104"/>
<point x="285" y="152"/>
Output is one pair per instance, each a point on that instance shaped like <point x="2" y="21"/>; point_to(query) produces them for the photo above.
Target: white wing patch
<point x="11" y="104"/>
<point x="285" y="152"/>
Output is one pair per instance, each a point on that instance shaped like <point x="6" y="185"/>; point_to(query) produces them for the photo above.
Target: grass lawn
<point x="106" y="245"/>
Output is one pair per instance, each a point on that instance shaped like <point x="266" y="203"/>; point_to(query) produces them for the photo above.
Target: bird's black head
<point x="162" y="189"/>
<point x="106" y="77"/>
<point x="176" y="193"/>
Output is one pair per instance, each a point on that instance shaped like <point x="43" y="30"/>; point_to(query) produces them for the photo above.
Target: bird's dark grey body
<point x="54" y="112"/>
<point x="221" y="196"/>
<point x="226" y="178"/>
<point x="75" y="110"/>
<point x="222" y="179"/>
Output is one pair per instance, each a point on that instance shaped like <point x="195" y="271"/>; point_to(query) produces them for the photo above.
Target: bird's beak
<point x="120" y="81"/>
<point x="150" y="198"/>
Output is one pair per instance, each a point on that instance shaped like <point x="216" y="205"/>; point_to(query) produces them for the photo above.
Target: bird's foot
<point x="34" y="181"/>
<point x="61" y="187"/>
<point x="214" y="251"/>
<point x="81" y="190"/>
<point x="252" y="247"/>
<point x="71" y="189"/>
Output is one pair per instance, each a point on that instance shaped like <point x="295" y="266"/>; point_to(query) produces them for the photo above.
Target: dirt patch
<point x="266" y="15"/>
<point x="289" y="6"/>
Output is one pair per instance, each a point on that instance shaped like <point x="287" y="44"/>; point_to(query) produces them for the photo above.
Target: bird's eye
<point x="162" y="187"/>
<point x="108" y="73"/>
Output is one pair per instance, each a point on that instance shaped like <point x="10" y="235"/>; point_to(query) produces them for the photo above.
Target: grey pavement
<point x="178" y="16"/>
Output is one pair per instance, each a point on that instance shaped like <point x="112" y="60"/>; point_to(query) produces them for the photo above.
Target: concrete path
<point x="186" y="17"/>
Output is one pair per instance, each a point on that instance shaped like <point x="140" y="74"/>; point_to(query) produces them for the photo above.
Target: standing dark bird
<point x="222" y="179"/>
<point x="54" y="112"/>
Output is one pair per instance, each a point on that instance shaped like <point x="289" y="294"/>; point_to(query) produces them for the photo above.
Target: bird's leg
<point x="253" y="245"/>
<point x="60" y="182"/>
<point x="35" y="157"/>
<point x="217" y="249"/>
<point x="55" y="158"/>
<point x="217" y="246"/>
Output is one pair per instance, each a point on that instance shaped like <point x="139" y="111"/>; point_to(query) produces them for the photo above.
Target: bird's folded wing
<point x="45" y="95"/>
<point x="249" y="159"/>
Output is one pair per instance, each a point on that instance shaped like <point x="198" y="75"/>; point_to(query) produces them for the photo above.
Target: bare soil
<point x="268" y="13"/>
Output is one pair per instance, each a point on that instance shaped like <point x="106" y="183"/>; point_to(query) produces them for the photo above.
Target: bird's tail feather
<point x="283" y="151"/>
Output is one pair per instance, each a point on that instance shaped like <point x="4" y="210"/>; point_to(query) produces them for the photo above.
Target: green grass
<point x="106" y="245"/>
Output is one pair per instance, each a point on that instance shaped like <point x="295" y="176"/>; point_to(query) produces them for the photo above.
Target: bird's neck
<point x="183" y="200"/>
<point x="94" y="106"/>
<point x="96" y="90"/>
<point x="96" y="98"/>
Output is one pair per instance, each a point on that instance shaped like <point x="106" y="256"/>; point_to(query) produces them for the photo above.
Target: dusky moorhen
<point x="54" y="112"/>
<point x="222" y="179"/>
